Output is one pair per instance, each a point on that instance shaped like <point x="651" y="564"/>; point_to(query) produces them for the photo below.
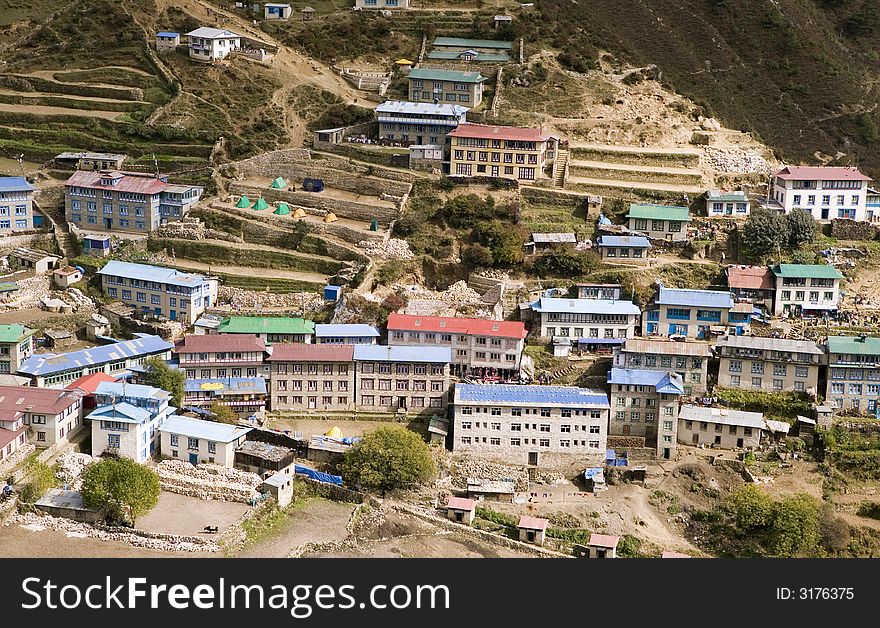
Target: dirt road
<point x="249" y="271"/>
<point x="312" y="521"/>
<point x="59" y="111"/>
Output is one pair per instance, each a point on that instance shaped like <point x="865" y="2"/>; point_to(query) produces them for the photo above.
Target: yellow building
<point x="524" y="154"/>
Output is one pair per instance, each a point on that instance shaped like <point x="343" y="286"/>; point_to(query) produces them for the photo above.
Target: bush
<point x="159" y="375"/>
<point x="388" y="458"/>
<point x="786" y="405"/>
<point x="563" y="262"/>
<point x="869" y="509"/>
<point x="40" y="478"/>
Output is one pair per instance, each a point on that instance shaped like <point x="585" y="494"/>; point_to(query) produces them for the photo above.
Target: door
<point x="666" y="453"/>
<point x="173" y="315"/>
<point x="459" y="516"/>
<point x="157" y="311"/>
<point x="401" y="403"/>
<point x="824" y="213"/>
<point x="626" y="429"/>
<point x="739" y="442"/>
<point x="533" y="457"/>
<point x="673" y="329"/>
<point x="194" y="459"/>
<point x="419" y="139"/>
<point x="695" y="439"/>
<point x="530" y="536"/>
<point x="494" y="171"/>
<point x="313" y="403"/>
<point x="108" y="223"/>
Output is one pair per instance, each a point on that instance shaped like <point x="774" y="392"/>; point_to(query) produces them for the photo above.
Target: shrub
<point x="388" y="458"/>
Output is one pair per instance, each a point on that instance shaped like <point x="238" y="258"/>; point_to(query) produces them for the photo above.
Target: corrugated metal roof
<point x="206" y="32"/>
<point x="769" y="344"/>
<point x="199" y="428"/>
<point x="822" y="173"/>
<point x="488" y="131"/>
<point x="461" y="503"/>
<point x="15" y="184"/>
<point x="750" y="277"/>
<point x="723" y="416"/>
<point x="228" y="385"/>
<point x="378" y="353"/>
<point x="31" y="399"/>
<point x="856" y="345"/>
<point x="658" y="212"/>
<point x="511" y="393"/>
<point x="455" y="76"/>
<point x="91" y="156"/>
<point x="133" y="183"/>
<point x="215" y="343"/>
<point x="450" y="325"/>
<point x="89" y="383"/>
<point x="357" y="330"/>
<point x="123" y="412"/>
<point x="554" y="238"/>
<point x="667" y="347"/>
<point x="604" y="540"/>
<point x="167" y="34"/>
<point x="156" y="274"/>
<point x="486" y="57"/>
<point x="14" y="332"/>
<point x="266" y="325"/>
<point x="636" y="242"/>
<point x="727" y="195"/>
<point x="301" y="352"/>
<point x="458" y="42"/>
<point x="48" y="363"/>
<point x="695" y="298"/>
<point x="807" y="271"/>
<point x="585" y="306"/>
<point x="663" y="382"/>
<point x="532" y="523"/>
<point x="130" y="391"/>
<point x="421" y="108"/>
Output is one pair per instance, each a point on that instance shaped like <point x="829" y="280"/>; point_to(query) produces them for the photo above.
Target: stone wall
<point x="844" y="229"/>
<point x="39" y="240"/>
<point x="208" y="481"/>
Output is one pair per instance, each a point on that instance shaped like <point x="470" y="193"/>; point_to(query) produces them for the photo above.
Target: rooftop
<point x="807" y="271"/>
<point x="214" y="343"/>
<point x="279" y="479"/>
<point x="488" y="131"/>
<point x="421" y="108"/>
<point x="228" y="385"/>
<point x="663" y="382"/>
<point x="15" y="184"/>
<point x="456" y="76"/>
<point x="259" y="449"/>
<point x="554" y="238"/>
<point x="461" y="503"/>
<point x="604" y="540"/>
<point x="206" y="32"/>
<point x="449" y="325"/>
<point x="658" y="212"/>
<point x="379" y="353"/>
<point x="89" y="383"/>
<point x="586" y="306"/>
<point x="123" y="412"/>
<point x="357" y="330"/>
<point x="457" y="42"/>
<point x="135" y="183"/>
<point x="301" y="352"/>
<point x="855" y="345"/>
<point x="14" y="332"/>
<point x="723" y="416"/>
<point x="123" y="390"/>
<point x="824" y="173"/>
<point x="488" y="57"/>
<point x="48" y="363"/>
<point x="58" y="498"/>
<point x="32" y="399"/>
<point x="32" y="255"/>
<point x="199" y="428"/>
<point x="167" y="34"/>
<point x="156" y="274"/>
<point x="532" y="523"/>
<point x="695" y="298"/>
<point x="667" y="347"/>
<point x="728" y="195"/>
<point x="770" y="344"/>
<point x="636" y="242"/>
<point x="265" y="325"/>
<point x="511" y="393"/>
<point x="93" y="156"/>
<point x="750" y="277"/>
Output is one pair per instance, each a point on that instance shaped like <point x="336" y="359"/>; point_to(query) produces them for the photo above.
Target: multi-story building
<point x="317" y="377"/>
<point x="690" y="360"/>
<point x="595" y="320"/>
<point x="771" y="364"/>
<point x="872" y="206"/>
<point x="695" y="314"/>
<point x="221" y="357"/>
<point x="480" y="348"/>
<point x="13" y="435"/>
<point x="212" y="44"/>
<point x="131" y="202"/>
<point x="752" y="284"/>
<point x="727" y="204"/>
<point x="459" y="50"/>
<point x="661" y="222"/>
<point x="418" y="122"/>
<point x="644" y="404"/>
<point x="624" y="249"/>
<point x="197" y="441"/>
<point x="346" y="334"/>
<point x="16" y="346"/>
<point x="606" y="291"/>
<point x="524" y="154"/>
<point x="853" y="373"/>
<point x="806" y="290"/>
<point x="52" y="415"/>
<point x="245" y="395"/>
<point x="720" y="427"/>
<point x="381" y="4"/>
<point x="49" y="370"/>
<point x="159" y="291"/>
<point x="270" y="329"/>
<point x="127" y="420"/>
<point x="402" y="379"/>
<point x="825" y="191"/>
<point x="449" y="87"/>
<point x="17" y="206"/>
<point x="534" y="425"/>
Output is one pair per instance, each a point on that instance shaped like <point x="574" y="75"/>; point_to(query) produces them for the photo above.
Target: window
<point x="779" y="370"/>
<point x="192" y="443"/>
<point x="465" y="440"/>
<point x="545" y="427"/>
<point x="516" y="427"/>
<point x="594" y="429"/>
<point x="758" y="368"/>
<point x="756" y="382"/>
<point x="496" y="412"/>
<point x="544" y="442"/>
<point x="735" y="366"/>
<point x="212" y="448"/>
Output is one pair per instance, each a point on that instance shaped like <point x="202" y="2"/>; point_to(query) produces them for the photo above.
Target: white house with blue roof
<point x="533" y="425"/>
<point x="644" y="405"/>
<point x="695" y="314"/>
<point x="418" y="122"/>
<point x="127" y="419"/>
<point x="588" y="322"/>
<point x="159" y="291"/>
<point x="346" y="334"/>
<point x="17" y="206"/>
<point x="196" y="441"/>
<point x="624" y="249"/>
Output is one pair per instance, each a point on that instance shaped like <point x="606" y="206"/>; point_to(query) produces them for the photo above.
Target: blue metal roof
<point x="240" y="385"/>
<point x="121" y="412"/>
<point x="381" y="353"/>
<point x="585" y="306"/>
<point x="639" y="242"/>
<point x="157" y="274"/>
<point x="167" y="34"/>
<point x="421" y="108"/>
<point x="601" y="341"/>
<point x="695" y="298"/>
<point x="357" y="330"/>
<point x="49" y="363"/>
<point x="15" y="184"/>
<point x="663" y="381"/>
<point x="130" y="391"/>
<point x="199" y="428"/>
<point x="557" y="395"/>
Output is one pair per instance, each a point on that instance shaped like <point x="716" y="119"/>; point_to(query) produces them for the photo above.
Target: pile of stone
<point x="208" y="481"/>
<point x="735" y="160"/>
<point x="70" y="468"/>
<point x="78" y="298"/>
<point x="493" y="273"/>
<point x="249" y="299"/>
<point x="30" y="291"/>
<point x="394" y="248"/>
<point x="549" y="477"/>
<point x="486" y="470"/>
<point x="458" y="293"/>
<point x="191" y="228"/>
<point x="165" y="542"/>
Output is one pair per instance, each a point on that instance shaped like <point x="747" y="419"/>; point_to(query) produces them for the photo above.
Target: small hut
<point x="243" y="203"/>
<point x="282" y="209"/>
<point x="260" y="204"/>
<point x="308" y="14"/>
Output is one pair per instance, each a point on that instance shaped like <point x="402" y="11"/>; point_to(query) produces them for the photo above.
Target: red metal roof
<point x="298" y="352"/>
<point x="7" y="436"/>
<point x="461" y="503"/>
<point x="136" y="184"/>
<point x="825" y="173"/>
<point x="532" y="523"/>
<point x="604" y="540"/>
<point x="31" y="399"/>
<point x="488" y="131"/>
<point x="215" y="343"/>
<point x="750" y="277"/>
<point x="444" y="324"/>
<point x="89" y="383"/>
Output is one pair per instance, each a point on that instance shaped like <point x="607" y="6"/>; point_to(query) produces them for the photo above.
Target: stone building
<point x="752" y="284"/>
<point x="853" y="373"/>
<point x="770" y="364"/>
<point x="689" y="359"/>
<point x="16" y="346"/>
<point x="624" y="249"/>
<point x="17" y="206"/>
<point x="312" y="377"/>
<point x="661" y="222"/>
<point x="402" y="379"/>
<point x="271" y="329"/>
<point x="51" y="415"/>
<point x="586" y="319"/>
<point x="806" y="290"/>
<point x="720" y="427"/>
<point x="521" y="153"/>
<point x="695" y="314"/>
<point x="644" y="404"/>
<point x="220" y="357"/>
<point x="196" y="441"/>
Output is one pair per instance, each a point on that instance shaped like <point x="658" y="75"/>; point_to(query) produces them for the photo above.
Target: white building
<point x="727" y="204"/>
<point x="53" y="415"/>
<point x="586" y="318"/>
<point x="826" y="192"/>
<point x="806" y="290"/>
<point x="381" y="4"/>
<point x="720" y="427"/>
<point x="212" y="44"/>
<point x="196" y="440"/>
<point x="346" y="334"/>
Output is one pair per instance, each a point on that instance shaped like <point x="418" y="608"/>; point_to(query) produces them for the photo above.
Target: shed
<point x="8" y="290"/>
<point x="68" y="504"/>
<point x="603" y="546"/>
<point x="805" y="426"/>
<point x="279" y="486"/>
<point x="532" y="529"/>
<point x="64" y="277"/>
<point x="59" y="338"/>
<point x="501" y="20"/>
<point x="308" y="13"/>
<point x="276" y="11"/>
<point x="96" y="245"/>
<point x="331" y="293"/>
<point x="491" y="490"/>
<point x="330" y="136"/>
<point x="438" y="428"/>
<point x="167" y="41"/>
<point x="461" y="509"/>
<point x="543" y="241"/>
<point x="39" y="261"/>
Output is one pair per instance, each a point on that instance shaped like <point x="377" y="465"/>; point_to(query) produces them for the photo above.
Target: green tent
<point x="260" y="204"/>
<point x="282" y="209"/>
<point x="278" y="184"/>
<point x="243" y="202"/>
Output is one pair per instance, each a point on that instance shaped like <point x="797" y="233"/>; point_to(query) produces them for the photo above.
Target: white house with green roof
<point x="806" y="290"/>
<point x="727" y="204"/>
<point x="853" y="373"/>
<point x="16" y="346"/>
<point x="446" y="87"/>
<point x="271" y="329"/>
<point x="661" y="222"/>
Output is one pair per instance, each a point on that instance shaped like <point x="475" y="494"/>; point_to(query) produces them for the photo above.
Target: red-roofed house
<point x="87" y="385"/>
<point x="481" y="349"/>
<point x="219" y="357"/>
<point x="509" y="152"/>
<point x="311" y="377"/>
<point x="826" y="192"/>
<point x="752" y="284"/>
<point x="532" y="529"/>
<point x="461" y="509"/>
<point x="135" y="202"/>
<point x="603" y="546"/>
<point x="53" y="415"/>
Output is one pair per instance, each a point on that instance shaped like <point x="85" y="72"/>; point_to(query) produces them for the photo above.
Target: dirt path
<point x="10" y="92"/>
<point x="49" y="75"/>
<point x="673" y="150"/>
<point x="315" y="521"/>
<point x="59" y="111"/>
<point x="638" y="185"/>
<point x="269" y="273"/>
<point x="607" y="165"/>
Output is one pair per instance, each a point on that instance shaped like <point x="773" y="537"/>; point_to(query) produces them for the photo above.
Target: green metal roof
<point x="14" y="332"/>
<point x="244" y="202"/>
<point x="807" y="271"/>
<point x="8" y="286"/>
<point x="457" y="42"/>
<point x="266" y="325"/>
<point x="658" y="212"/>
<point x="854" y="345"/>
<point x="486" y="57"/>
<point x="456" y="76"/>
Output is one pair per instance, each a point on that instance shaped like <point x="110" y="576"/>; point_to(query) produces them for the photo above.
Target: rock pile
<point x="394" y="248"/>
<point x="31" y="290"/>
<point x="485" y="470"/>
<point x="208" y="481"/>
<point x="191" y="228"/>
<point x="549" y="477"/>
<point x="78" y="298"/>
<point x="735" y="160"/>
<point x="70" y="468"/>
<point x="458" y="293"/>
<point x="249" y="299"/>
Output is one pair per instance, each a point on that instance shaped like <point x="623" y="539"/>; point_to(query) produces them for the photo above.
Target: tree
<point x="751" y="508"/>
<point x="388" y="458"/>
<point x="223" y="413"/>
<point x="40" y="478"/>
<point x="801" y="227"/>
<point x="159" y="375"/>
<point x="562" y="261"/>
<point x="503" y="240"/>
<point x="796" y="530"/>
<point x="764" y="231"/>
<point x="476" y="255"/>
<point x="125" y="488"/>
<point x="466" y="210"/>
